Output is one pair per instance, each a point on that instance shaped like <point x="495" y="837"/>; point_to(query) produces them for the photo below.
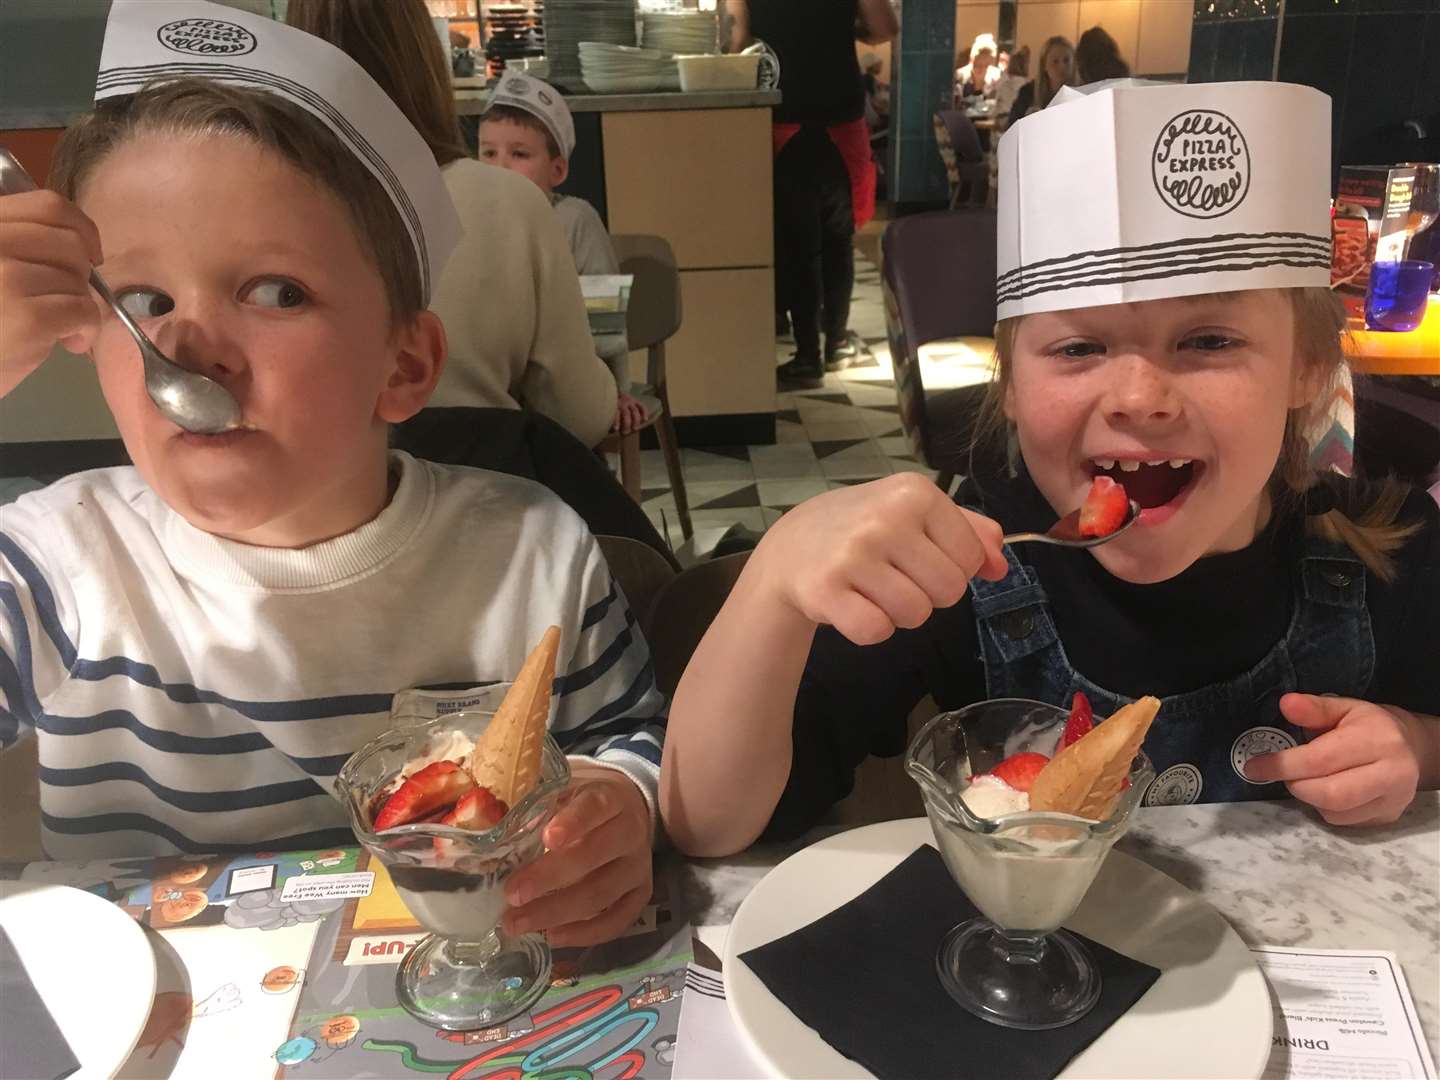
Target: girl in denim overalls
<point x="1165" y="319"/>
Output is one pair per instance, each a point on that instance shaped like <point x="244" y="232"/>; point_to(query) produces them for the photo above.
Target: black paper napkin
<point x="32" y="1047"/>
<point x="864" y="978"/>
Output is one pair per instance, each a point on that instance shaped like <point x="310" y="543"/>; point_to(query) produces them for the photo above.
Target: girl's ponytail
<point x="1367" y="518"/>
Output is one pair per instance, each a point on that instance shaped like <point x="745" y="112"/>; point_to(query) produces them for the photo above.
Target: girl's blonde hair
<point x="1372" y="533"/>
<point x="1044" y="91"/>
<point x="395" y="42"/>
<point x="193" y="108"/>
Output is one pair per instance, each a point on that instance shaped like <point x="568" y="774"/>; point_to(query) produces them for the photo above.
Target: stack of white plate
<point x="569" y="22"/>
<point x="679" y="31"/>
<point x="621" y="69"/>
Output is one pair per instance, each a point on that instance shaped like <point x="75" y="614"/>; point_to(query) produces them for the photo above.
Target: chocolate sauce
<point x="432" y="879"/>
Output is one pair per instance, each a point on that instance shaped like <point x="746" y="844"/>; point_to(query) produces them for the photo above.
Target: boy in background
<point x="527" y="128"/>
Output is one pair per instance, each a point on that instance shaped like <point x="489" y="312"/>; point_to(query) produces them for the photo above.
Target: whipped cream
<point x="990" y="797"/>
<point x="453" y="746"/>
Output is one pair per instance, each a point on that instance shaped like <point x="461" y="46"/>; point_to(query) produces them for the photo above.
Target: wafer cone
<point x="508" y="754"/>
<point x="1087" y="776"/>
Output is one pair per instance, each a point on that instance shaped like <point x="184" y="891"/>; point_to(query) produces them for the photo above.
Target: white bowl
<point x="699" y="73"/>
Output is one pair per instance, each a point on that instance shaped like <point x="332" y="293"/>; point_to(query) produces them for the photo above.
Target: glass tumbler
<point x="1398" y="294"/>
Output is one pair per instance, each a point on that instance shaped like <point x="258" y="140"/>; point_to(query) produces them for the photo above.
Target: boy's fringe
<point x="183" y="108"/>
<point x="1373" y="532"/>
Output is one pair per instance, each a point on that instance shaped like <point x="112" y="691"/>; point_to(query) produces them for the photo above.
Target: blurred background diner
<point x="979" y="74"/>
<point x="782" y="182"/>
<point x="1097" y="57"/>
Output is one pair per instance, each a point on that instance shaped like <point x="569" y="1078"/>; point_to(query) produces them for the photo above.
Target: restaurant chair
<point x="653" y="317"/>
<point x="639" y="570"/>
<point x="964" y="158"/>
<point x="938" y="281"/>
<point x="528" y="444"/>
<point x="683" y="610"/>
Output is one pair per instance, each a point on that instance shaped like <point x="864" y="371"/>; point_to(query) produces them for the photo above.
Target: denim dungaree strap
<point x="1201" y="739"/>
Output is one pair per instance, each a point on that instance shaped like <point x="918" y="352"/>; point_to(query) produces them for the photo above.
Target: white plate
<point x="91" y="965"/>
<point x="1207" y="1015"/>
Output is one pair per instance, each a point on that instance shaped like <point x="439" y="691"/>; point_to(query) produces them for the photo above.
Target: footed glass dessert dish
<point x="1025" y="871"/>
<point x="468" y="974"/>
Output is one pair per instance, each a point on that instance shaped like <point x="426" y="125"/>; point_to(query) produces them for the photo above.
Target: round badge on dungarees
<point x="1176" y="786"/>
<point x="1257" y="741"/>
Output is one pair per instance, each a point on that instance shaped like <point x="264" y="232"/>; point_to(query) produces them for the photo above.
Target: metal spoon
<point x="1066" y="532"/>
<point x="185" y="397"/>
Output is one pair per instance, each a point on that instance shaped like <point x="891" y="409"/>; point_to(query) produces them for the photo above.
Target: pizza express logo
<point x="206" y="37"/>
<point x="1201" y="164"/>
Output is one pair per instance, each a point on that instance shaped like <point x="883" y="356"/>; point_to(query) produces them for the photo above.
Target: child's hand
<point x="47" y="247"/>
<point x="593" y="880"/>
<point x="629" y="415"/>
<point x="878" y="556"/>
<point x="1361" y="768"/>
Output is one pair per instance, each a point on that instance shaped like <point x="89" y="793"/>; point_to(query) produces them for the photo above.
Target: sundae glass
<point x="468" y="973"/>
<point x="1026" y="871"/>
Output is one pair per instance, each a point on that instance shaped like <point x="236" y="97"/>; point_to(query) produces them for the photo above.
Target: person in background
<point x="1097" y="58"/>
<point x="1015" y="79"/>
<point x="527" y="128"/>
<point x="877" y="93"/>
<point x="824" y="169"/>
<point x="509" y="298"/>
<point x="1056" y="69"/>
<point x="980" y="73"/>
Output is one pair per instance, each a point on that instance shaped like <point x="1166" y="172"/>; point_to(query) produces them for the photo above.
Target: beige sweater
<point x="510" y="300"/>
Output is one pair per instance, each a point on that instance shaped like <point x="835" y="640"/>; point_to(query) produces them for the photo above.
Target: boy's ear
<point x="559" y="170"/>
<point x="420" y="354"/>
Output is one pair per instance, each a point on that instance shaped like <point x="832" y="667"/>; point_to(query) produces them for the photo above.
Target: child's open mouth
<point x="1160" y="486"/>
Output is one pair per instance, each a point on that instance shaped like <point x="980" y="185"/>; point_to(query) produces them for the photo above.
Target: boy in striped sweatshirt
<point x="199" y="641"/>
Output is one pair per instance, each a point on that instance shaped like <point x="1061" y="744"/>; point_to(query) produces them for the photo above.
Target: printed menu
<point x="1342" y="1013"/>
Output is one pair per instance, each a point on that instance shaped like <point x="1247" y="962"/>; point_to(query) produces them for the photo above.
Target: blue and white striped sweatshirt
<point x="192" y="694"/>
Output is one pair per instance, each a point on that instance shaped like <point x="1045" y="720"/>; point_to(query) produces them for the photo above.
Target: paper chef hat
<point x="540" y="100"/>
<point x="147" y="41"/>
<point x="1140" y="192"/>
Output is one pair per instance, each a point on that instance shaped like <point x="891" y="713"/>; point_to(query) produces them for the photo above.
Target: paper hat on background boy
<point x="1140" y="192"/>
<point x="540" y="100"/>
<point x="147" y="41"/>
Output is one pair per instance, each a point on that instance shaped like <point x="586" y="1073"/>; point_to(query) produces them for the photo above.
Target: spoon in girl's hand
<point x="1105" y="515"/>
<point x="186" y="398"/>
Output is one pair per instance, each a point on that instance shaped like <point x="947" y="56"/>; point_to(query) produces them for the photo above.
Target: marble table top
<point x="1275" y="870"/>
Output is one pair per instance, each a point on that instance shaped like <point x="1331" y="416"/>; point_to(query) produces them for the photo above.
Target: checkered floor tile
<point x="846" y="432"/>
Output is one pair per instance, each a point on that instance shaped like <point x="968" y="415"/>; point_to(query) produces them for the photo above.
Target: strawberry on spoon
<point x="1105" y="514"/>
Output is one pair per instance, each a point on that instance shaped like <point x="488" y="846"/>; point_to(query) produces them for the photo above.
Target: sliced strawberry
<point x="477" y="809"/>
<point x="1020" y="770"/>
<point x="1105" y="509"/>
<point x="1082" y="719"/>
<point x="436" y="786"/>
